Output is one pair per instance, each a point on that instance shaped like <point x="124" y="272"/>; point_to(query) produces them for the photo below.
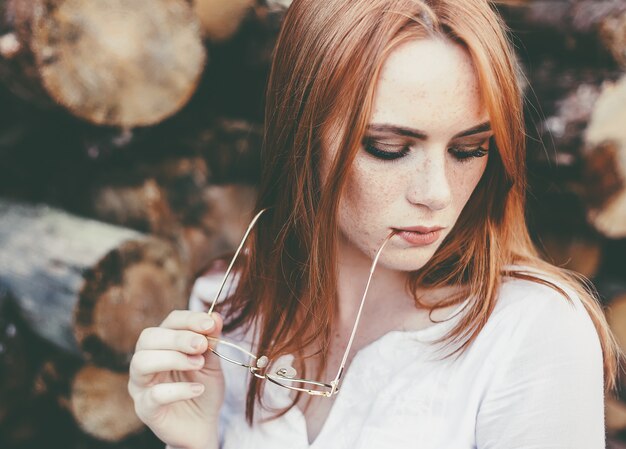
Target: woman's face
<point x="423" y="154"/>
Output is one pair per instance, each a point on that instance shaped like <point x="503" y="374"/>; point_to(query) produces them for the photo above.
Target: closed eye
<point x="387" y="155"/>
<point x="465" y="154"/>
<point x="459" y="152"/>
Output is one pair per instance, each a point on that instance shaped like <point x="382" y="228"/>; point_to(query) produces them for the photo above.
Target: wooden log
<point x="220" y="19"/>
<point x="604" y="154"/>
<point x="87" y="287"/>
<point x="101" y="405"/>
<point x="164" y="194"/>
<point x="120" y="63"/>
<point x="174" y="200"/>
<point x="143" y="207"/>
<point x="156" y="197"/>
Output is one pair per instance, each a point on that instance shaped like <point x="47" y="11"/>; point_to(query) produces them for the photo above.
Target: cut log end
<point x="112" y="311"/>
<point x="119" y="63"/>
<point x="119" y="302"/>
<point x="101" y="405"/>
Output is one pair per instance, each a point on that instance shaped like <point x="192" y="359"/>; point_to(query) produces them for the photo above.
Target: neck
<point x="386" y="296"/>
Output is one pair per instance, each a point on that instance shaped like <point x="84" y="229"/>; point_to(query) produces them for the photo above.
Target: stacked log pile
<point x="129" y="151"/>
<point x="130" y="136"/>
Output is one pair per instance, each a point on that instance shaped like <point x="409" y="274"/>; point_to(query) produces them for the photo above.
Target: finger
<point x="145" y="364"/>
<point x="211" y="362"/>
<point x="161" y="338"/>
<point x="163" y="394"/>
<point x="196" y="321"/>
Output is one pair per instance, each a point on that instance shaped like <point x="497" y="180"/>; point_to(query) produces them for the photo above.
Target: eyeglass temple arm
<point x="358" y="315"/>
<point x="232" y="262"/>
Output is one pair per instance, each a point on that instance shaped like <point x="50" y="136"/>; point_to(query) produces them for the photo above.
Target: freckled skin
<point x="429" y="85"/>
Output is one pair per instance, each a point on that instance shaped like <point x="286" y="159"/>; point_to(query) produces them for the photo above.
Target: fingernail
<point x="207" y="324"/>
<point x="197" y="388"/>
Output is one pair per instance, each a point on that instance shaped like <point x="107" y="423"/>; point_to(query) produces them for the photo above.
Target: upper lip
<point x="421" y="229"/>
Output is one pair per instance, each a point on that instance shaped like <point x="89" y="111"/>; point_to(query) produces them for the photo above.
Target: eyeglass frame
<point x="262" y="362"/>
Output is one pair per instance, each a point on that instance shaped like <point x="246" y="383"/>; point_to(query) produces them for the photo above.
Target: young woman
<point x="394" y="137"/>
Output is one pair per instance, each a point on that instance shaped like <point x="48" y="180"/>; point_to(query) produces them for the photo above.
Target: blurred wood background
<point x="129" y="151"/>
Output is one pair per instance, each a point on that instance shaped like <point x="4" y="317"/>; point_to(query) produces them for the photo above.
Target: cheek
<point x="464" y="179"/>
<point x="367" y="191"/>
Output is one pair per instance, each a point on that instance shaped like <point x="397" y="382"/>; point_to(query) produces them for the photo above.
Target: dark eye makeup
<point x="462" y="153"/>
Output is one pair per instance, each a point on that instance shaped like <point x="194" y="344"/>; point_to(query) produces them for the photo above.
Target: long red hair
<point x="323" y="76"/>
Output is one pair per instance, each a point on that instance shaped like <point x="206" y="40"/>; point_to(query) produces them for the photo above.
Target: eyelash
<point x="460" y="155"/>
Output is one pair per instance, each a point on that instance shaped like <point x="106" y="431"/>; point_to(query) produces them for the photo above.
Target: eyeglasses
<point x="286" y="376"/>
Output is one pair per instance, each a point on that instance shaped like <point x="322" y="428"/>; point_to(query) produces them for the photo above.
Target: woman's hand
<point x="176" y="382"/>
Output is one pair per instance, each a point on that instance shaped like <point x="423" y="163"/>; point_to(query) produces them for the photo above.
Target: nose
<point x="429" y="185"/>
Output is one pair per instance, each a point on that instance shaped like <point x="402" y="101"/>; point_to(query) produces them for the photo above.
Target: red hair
<point x="322" y="81"/>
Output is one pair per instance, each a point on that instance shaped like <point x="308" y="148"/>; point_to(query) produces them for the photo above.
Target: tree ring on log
<point x="120" y="62"/>
<point x="133" y="287"/>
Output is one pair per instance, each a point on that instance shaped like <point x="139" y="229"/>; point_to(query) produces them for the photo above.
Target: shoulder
<point x="543" y="319"/>
<point x="547" y="360"/>
<point x="544" y="295"/>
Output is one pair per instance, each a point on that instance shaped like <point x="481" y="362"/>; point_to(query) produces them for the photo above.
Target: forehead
<point x="429" y="84"/>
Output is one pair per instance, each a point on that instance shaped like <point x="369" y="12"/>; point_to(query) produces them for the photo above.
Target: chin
<point x="406" y="260"/>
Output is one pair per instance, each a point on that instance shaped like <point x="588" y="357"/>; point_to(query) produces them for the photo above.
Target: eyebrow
<point x="421" y="135"/>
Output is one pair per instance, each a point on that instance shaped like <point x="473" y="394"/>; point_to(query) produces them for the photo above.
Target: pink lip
<point x="420" y="229"/>
<point x="419" y="235"/>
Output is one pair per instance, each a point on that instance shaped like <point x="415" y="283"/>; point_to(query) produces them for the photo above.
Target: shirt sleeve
<point x="548" y="390"/>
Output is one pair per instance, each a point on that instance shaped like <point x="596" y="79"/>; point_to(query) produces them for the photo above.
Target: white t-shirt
<point x="533" y="379"/>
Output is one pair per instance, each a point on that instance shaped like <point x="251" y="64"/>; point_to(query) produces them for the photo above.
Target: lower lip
<point x="418" y="238"/>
